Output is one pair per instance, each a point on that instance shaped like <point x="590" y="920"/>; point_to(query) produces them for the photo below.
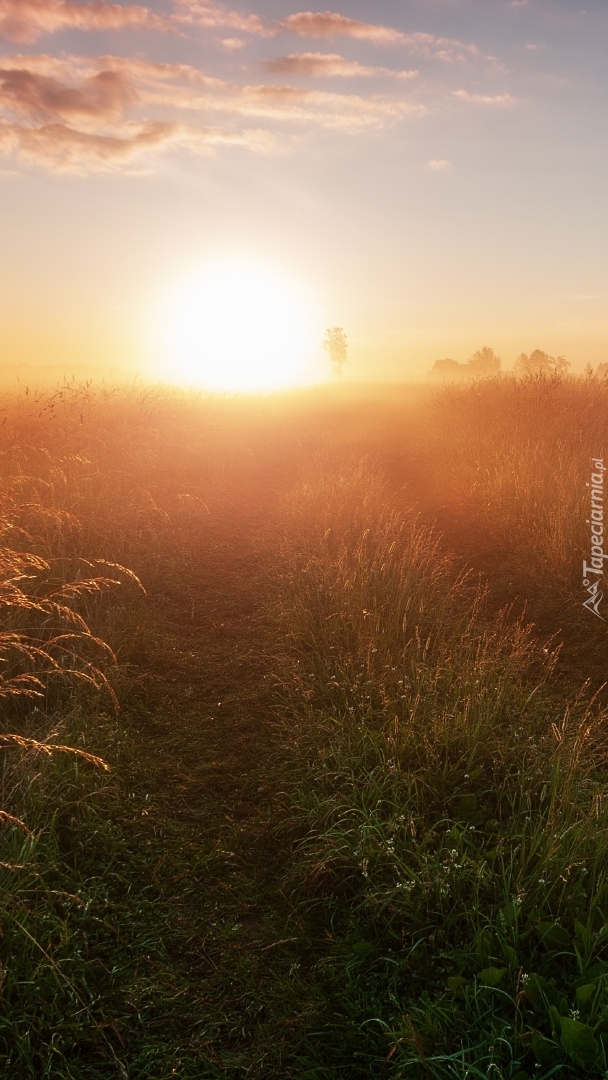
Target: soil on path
<point x="208" y="778"/>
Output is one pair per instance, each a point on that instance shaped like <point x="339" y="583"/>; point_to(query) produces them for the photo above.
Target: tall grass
<point x="511" y="459"/>
<point x="442" y="842"/>
<point x="450" y="826"/>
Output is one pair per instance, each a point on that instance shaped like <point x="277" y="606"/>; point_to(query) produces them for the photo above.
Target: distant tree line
<point x="485" y="363"/>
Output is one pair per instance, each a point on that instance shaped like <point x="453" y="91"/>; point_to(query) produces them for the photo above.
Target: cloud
<point x="82" y="113"/>
<point x="349" y="113"/>
<point x="318" y="65"/>
<point x="201" y="13"/>
<point x="330" y="24"/>
<point x="321" y="24"/>
<point x="61" y="148"/>
<point x="27" y="20"/>
<point x="27" y="93"/>
<point x="485" y="99"/>
<point x="439" y="164"/>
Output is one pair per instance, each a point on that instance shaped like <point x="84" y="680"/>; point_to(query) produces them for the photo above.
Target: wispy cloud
<point x="329" y="24"/>
<point x="439" y="164"/>
<point x="317" y="65"/>
<point x="27" y="20"/>
<point x="322" y="25"/>
<point x="485" y="99"/>
<point x="350" y="113"/>
<point x="61" y="148"/>
<point x="83" y="113"/>
<point x="200" y="13"/>
<point x="103" y="96"/>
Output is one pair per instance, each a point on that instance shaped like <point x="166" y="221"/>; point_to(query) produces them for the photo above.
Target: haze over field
<point x="428" y="175"/>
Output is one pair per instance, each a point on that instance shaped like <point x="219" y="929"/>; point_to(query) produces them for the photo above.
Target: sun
<point x="237" y="326"/>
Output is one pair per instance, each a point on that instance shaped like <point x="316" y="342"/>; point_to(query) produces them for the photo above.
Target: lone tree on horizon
<point x="336" y="344"/>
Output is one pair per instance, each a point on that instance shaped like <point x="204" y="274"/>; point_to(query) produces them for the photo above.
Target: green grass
<point x="355" y="823"/>
<point x="449" y="828"/>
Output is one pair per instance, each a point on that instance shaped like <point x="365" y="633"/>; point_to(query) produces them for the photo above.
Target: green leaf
<point x="510" y="956"/>
<point x="584" y="994"/>
<point x="509" y="913"/>
<point x="598" y="969"/>
<point x="467" y="809"/>
<point x="580" y="1043"/>
<point x="456" y="982"/>
<point x="541" y="993"/>
<point x="583" y="937"/>
<point x="554" y="1020"/>
<point x="362" y="948"/>
<point x="553" y="936"/>
<point x="545" y="1051"/>
<point x="483" y="942"/>
<point x="491" y="976"/>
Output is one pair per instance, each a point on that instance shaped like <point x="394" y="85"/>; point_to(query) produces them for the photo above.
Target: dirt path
<point x="208" y="780"/>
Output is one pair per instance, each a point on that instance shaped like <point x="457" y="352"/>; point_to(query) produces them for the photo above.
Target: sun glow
<point x="238" y="327"/>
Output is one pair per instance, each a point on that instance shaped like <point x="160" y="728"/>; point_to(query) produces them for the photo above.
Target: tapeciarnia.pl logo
<point x="596" y="520"/>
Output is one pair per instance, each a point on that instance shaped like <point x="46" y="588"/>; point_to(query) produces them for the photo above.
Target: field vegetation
<point x="304" y="734"/>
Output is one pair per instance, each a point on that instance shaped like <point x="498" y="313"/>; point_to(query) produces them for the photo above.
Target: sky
<point x="430" y="175"/>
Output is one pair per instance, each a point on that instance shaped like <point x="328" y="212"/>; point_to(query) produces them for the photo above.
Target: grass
<point x="449" y="827"/>
<point x="350" y="818"/>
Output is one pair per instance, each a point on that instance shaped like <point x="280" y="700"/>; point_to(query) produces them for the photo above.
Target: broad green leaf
<point x="456" y="982"/>
<point x="467" y="809"/>
<point x="580" y="1043"/>
<point x="553" y="936"/>
<point x="492" y="976"/>
<point x="483" y="941"/>
<point x="541" y="993"/>
<point x="554" y="1020"/>
<point x="546" y="1051"/>
<point x="584" y="994"/>
<point x="509" y="913"/>
<point x="510" y="956"/>
<point x="362" y="948"/>
<point x="583" y="937"/>
<point x="467" y="804"/>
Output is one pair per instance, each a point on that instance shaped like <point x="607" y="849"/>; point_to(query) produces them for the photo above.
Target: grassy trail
<point x="207" y="781"/>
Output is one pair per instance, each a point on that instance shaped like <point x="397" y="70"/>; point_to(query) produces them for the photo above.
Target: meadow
<point x="304" y="734"/>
